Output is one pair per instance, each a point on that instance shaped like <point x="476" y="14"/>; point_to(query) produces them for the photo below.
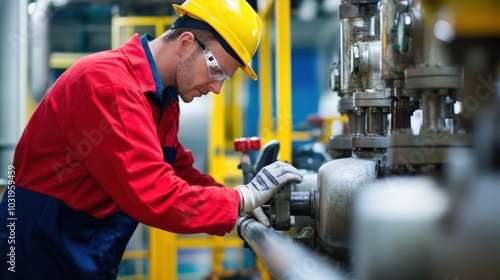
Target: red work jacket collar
<point x="135" y="53"/>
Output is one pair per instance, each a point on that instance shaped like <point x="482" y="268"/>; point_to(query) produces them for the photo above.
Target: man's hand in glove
<point x="265" y="184"/>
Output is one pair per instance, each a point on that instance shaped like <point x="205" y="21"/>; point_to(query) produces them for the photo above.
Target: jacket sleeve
<point x="127" y="162"/>
<point x="184" y="168"/>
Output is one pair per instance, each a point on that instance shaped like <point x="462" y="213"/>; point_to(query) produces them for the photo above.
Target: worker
<point x="101" y="153"/>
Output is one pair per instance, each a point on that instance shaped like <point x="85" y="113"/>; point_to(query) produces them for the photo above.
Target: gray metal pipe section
<point x="339" y="181"/>
<point x="397" y="226"/>
<point x="392" y="62"/>
<point x="300" y="204"/>
<point x="356" y="124"/>
<point x="426" y="49"/>
<point x="284" y="258"/>
<point x="375" y="122"/>
<point x="434" y="112"/>
<point x="13" y="77"/>
<point x="39" y="48"/>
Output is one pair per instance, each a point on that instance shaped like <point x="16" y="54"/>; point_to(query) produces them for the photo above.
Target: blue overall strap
<point x="54" y="241"/>
<point x="169" y="94"/>
<point x="169" y="154"/>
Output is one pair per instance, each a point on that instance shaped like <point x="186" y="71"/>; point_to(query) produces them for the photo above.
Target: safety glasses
<point x="215" y="72"/>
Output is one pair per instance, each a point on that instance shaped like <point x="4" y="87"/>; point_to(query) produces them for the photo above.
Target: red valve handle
<point x="246" y="145"/>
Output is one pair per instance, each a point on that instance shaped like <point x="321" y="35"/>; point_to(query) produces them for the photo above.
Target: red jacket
<point x="95" y="142"/>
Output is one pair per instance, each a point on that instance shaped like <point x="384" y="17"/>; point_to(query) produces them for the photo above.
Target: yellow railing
<point x="266" y="130"/>
<point x="281" y="127"/>
<point x="122" y="28"/>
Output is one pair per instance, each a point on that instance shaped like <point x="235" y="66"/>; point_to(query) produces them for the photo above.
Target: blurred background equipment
<point x="389" y="107"/>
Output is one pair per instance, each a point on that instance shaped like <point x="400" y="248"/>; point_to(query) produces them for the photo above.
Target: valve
<point x="245" y="145"/>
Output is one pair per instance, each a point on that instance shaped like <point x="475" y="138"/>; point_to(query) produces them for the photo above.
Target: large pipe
<point x="397" y="227"/>
<point x="339" y="181"/>
<point x="40" y="48"/>
<point x="13" y="78"/>
<point x="284" y="258"/>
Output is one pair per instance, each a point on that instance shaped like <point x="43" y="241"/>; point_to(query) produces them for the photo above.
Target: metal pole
<point x="284" y="258"/>
<point x="13" y="81"/>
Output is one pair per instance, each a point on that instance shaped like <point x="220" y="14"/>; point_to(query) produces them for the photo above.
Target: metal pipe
<point x="402" y="114"/>
<point x="40" y="48"/>
<point x="339" y="182"/>
<point x="387" y="17"/>
<point x="356" y="124"/>
<point x="396" y="228"/>
<point x="13" y="78"/>
<point x="284" y="258"/>
<point x="300" y="204"/>
<point x="433" y="112"/>
<point x="375" y="122"/>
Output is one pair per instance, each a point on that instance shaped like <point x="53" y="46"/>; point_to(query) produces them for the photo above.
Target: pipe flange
<point x="346" y="104"/>
<point x="433" y="78"/>
<point x="314" y="196"/>
<point x="361" y="8"/>
<point x="371" y="99"/>
<point x="430" y="140"/>
<point x="425" y="149"/>
<point x="340" y="142"/>
<point x="369" y="142"/>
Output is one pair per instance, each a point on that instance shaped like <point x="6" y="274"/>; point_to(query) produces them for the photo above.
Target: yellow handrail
<point x="283" y="79"/>
<point x="266" y="129"/>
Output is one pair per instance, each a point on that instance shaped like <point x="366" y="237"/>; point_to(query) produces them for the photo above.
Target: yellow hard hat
<point x="234" y="20"/>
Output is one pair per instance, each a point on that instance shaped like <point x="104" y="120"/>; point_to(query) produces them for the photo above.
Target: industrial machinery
<point x="400" y="199"/>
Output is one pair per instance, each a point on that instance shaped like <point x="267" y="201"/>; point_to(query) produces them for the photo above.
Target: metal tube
<point x="433" y="112"/>
<point x="375" y="122"/>
<point x="284" y="258"/>
<point x="402" y="114"/>
<point x="300" y="204"/>
<point x="387" y="17"/>
<point x="356" y="124"/>
<point x="13" y="77"/>
<point x="40" y="48"/>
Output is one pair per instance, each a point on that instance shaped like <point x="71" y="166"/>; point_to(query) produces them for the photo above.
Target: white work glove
<point x="265" y="184"/>
<point x="260" y="216"/>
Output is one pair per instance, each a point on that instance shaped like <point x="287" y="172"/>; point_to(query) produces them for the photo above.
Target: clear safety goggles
<point x="215" y="72"/>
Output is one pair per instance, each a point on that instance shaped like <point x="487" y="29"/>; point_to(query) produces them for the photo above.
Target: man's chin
<point x="186" y="99"/>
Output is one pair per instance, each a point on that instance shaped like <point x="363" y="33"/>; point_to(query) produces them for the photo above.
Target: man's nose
<point x="215" y="86"/>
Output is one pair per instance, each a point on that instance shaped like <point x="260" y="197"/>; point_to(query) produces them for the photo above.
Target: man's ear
<point x="185" y="43"/>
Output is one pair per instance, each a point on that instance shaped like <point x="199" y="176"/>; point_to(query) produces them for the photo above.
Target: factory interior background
<point x="390" y="108"/>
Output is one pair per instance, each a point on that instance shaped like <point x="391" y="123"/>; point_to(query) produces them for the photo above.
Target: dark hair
<point x="202" y="35"/>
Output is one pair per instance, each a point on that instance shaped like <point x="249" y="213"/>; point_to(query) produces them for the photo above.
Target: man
<point x="101" y="152"/>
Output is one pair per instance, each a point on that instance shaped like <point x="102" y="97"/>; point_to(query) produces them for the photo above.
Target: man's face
<point x="193" y="79"/>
